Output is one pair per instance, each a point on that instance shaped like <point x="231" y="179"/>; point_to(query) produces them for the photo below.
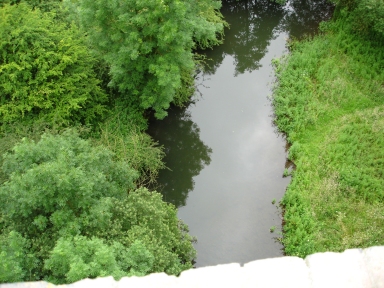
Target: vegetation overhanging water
<point x="225" y="156"/>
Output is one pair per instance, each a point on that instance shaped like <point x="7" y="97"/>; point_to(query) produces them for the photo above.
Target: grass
<point x="329" y="100"/>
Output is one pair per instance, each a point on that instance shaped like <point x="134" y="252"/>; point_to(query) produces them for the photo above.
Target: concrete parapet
<point x="352" y="268"/>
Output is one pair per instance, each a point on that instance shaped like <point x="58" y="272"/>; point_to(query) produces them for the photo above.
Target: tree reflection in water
<point x="253" y="25"/>
<point x="186" y="154"/>
<point x="302" y="17"/>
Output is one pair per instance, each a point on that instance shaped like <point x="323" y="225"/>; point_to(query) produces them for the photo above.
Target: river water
<point x="225" y="156"/>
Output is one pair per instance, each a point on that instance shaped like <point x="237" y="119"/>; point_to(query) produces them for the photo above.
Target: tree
<point x="46" y="70"/>
<point x="12" y="254"/>
<point x="148" y="44"/>
<point x="70" y="211"/>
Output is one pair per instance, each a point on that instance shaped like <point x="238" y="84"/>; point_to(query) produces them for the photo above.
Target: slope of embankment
<point x="329" y="100"/>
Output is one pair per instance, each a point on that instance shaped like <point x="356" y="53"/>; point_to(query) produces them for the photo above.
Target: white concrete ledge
<point x="352" y="268"/>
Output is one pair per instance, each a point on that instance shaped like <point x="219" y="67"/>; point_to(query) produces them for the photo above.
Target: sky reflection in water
<point x="226" y="157"/>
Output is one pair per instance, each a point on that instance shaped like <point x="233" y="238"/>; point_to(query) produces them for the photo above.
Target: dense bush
<point x="367" y="16"/>
<point x="79" y="257"/>
<point x="70" y="211"/>
<point x="44" y="5"/>
<point x="46" y="70"/>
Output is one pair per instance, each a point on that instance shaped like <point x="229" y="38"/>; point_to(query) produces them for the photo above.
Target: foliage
<point x="367" y="16"/>
<point x="77" y="258"/>
<point x="12" y="251"/>
<point x="8" y="139"/>
<point x="148" y="44"/>
<point x="46" y="70"/>
<point x="44" y="5"/>
<point x="144" y="216"/>
<point x="281" y="2"/>
<point x="57" y="187"/>
<point x="122" y="136"/>
<point x="329" y="101"/>
<point x="69" y="210"/>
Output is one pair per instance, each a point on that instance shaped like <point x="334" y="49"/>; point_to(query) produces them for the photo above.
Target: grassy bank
<point x="329" y="101"/>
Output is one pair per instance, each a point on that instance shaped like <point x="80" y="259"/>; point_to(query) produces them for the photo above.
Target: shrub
<point x="46" y="70"/>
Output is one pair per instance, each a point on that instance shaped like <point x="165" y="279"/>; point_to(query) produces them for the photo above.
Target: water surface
<point x="225" y="156"/>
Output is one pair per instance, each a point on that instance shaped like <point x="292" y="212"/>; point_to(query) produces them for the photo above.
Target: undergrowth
<point x="329" y="100"/>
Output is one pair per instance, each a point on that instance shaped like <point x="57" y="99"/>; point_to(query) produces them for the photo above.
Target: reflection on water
<point x="302" y="17"/>
<point x="254" y="23"/>
<point x="224" y="193"/>
<point x="186" y="154"/>
<point x="252" y="27"/>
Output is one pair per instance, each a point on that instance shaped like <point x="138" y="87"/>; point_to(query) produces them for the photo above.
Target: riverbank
<point x="329" y="101"/>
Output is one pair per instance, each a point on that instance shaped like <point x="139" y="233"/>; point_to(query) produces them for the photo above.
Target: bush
<point x="69" y="210"/>
<point x="46" y="70"/>
<point x="78" y="257"/>
<point x="367" y="16"/>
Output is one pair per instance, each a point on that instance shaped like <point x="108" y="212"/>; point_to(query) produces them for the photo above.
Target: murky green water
<point x="225" y="155"/>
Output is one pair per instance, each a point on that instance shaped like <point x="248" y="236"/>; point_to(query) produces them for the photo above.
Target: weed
<point x="329" y="100"/>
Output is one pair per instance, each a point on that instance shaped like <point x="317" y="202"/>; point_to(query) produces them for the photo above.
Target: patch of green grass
<point x="329" y="100"/>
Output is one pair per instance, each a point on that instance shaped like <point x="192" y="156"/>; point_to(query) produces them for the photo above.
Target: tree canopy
<point x="149" y="44"/>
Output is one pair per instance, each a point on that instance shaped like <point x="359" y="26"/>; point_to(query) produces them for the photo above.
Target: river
<point x="225" y="156"/>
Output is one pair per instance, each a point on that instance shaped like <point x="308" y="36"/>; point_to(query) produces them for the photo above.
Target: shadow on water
<point x="230" y="208"/>
<point x="253" y="25"/>
<point x="186" y="154"/>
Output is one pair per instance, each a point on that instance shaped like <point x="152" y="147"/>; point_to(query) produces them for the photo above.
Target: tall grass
<point x="329" y="100"/>
<point x="120" y="134"/>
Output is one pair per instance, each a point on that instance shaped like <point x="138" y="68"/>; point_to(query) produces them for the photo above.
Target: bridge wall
<point x="352" y="268"/>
